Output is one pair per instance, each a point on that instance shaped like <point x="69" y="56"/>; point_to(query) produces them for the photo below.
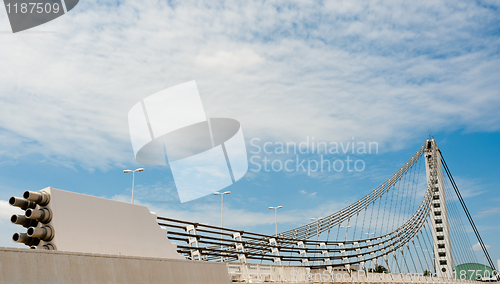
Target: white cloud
<point x="478" y="247"/>
<point x="208" y="212"/>
<point x="6" y="211"/>
<point x="312" y="194"/>
<point x="488" y="212"/>
<point x="7" y="229"/>
<point x="469" y="187"/>
<point x="285" y="70"/>
<point x="229" y="60"/>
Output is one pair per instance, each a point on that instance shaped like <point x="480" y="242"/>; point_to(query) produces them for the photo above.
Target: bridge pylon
<point x="443" y="259"/>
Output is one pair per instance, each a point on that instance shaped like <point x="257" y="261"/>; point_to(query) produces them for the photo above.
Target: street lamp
<point x="346" y="227"/>
<point x="221" y="216"/>
<point x="133" y="179"/>
<point x="276" y="217"/>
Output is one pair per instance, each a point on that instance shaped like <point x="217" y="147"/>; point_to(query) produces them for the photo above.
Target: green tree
<point x="379" y="269"/>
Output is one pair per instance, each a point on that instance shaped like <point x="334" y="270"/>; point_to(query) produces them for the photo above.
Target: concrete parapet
<point x="258" y="273"/>
<point x="41" y="266"/>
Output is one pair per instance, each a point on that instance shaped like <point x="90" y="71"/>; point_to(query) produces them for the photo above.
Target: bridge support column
<point x="326" y="256"/>
<point x="239" y="248"/>
<point x="275" y="251"/>
<point x="345" y="258"/>
<point x="439" y="214"/>
<point x="193" y="242"/>
<point x="360" y="255"/>
<point x="303" y="253"/>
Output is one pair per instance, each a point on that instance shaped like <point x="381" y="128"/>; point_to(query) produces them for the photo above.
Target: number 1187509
<point x="31" y="8"/>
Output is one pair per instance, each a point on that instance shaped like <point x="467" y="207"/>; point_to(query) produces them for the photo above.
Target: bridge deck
<point x="257" y="273"/>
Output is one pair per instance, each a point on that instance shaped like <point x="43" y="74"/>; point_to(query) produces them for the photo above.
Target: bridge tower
<point x="443" y="260"/>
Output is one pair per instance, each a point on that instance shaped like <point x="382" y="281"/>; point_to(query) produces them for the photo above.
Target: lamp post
<point x="346" y="227"/>
<point x="276" y="217"/>
<point x="133" y="179"/>
<point x="368" y="236"/>
<point x="221" y="217"/>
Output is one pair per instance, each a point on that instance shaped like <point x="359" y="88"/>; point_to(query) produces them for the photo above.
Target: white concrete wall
<point x="90" y="224"/>
<point x="18" y="266"/>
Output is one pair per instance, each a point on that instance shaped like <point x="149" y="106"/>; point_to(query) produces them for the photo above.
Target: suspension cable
<point x="476" y="232"/>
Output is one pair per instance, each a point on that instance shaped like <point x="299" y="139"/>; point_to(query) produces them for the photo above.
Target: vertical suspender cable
<point x="476" y="232"/>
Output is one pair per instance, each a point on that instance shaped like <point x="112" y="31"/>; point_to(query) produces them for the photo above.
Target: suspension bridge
<point x="416" y="222"/>
<point x="413" y="228"/>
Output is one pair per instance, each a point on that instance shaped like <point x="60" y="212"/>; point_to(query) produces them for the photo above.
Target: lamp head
<point x="127" y="171"/>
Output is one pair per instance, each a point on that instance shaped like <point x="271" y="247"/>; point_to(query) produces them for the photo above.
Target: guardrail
<point x="259" y="273"/>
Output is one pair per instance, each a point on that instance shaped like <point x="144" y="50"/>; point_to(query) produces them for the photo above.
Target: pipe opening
<point x="28" y="213"/>
<point x="16" y="237"/>
<point x="14" y="219"/>
<point x="31" y="231"/>
<point x="41" y="198"/>
<point x="21" y="203"/>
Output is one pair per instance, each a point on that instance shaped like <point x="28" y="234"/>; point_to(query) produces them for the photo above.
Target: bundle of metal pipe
<point x="36" y="219"/>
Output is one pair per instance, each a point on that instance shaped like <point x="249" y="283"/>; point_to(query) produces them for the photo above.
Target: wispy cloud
<point x="310" y="194"/>
<point x="6" y="211"/>
<point x="478" y="247"/>
<point x="488" y="212"/>
<point x="286" y="70"/>
<point x="470" y="187"/>
<point x="208" y="212"/>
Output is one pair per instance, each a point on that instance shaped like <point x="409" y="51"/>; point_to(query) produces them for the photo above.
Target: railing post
<point x="239" y="248"/>
<point x="193" y="242"/>
<point x="303" y="253"/>
<point x="275" y="251"/>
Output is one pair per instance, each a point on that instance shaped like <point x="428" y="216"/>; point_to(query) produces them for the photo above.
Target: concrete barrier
<point x="42" y="266"/>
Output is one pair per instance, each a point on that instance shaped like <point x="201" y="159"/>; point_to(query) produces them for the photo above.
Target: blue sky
<point x="385" y="71"/>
